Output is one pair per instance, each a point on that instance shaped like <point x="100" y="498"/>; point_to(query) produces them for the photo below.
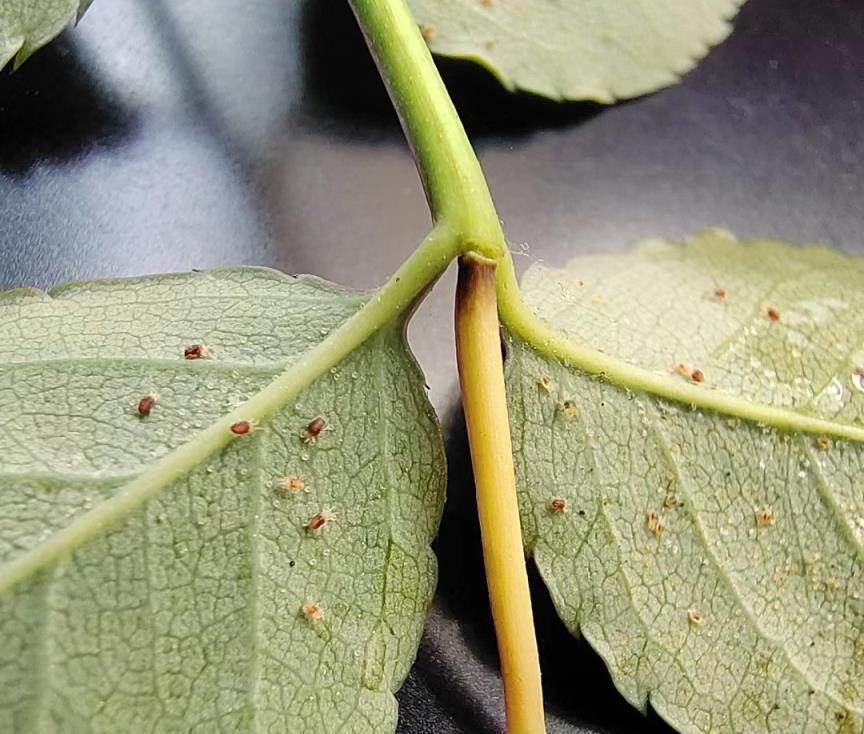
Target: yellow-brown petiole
<point x="481" y="376"/>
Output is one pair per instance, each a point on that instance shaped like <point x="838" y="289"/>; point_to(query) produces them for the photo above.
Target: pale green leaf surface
<point x="780" y="646"/>
<point x="186" y="616"/>
<point x="578" y="49"/>
<point x="27" y="25"/>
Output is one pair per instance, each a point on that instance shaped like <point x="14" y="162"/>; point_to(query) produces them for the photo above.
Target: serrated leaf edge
<point x="600" y="95"/>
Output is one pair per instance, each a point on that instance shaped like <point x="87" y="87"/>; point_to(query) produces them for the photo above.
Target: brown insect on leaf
<point x="558" y="505"/>
<point x="196" y="351"/>
<point x="319" y="521"/>
<point x="241" y="428"/>
<point x="313" y="430"/>
<point x="773" y="314"/>
<point x="145" y="404"/>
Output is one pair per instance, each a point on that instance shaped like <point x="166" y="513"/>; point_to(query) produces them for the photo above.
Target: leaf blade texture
<point x="27" y="25"/>
<point x="715" y="563"/>
<point x="193" y="613"/>
<point x="577" y="50"/>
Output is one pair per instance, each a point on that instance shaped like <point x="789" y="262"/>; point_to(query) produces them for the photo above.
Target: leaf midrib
<point x="553" y="344"/>
<point x="719" y="571"/>
<point x="520" y="318"/>
<point x="158" y="475"/>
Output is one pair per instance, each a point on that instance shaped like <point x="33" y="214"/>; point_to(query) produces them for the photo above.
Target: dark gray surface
<point x="166" y="136"/>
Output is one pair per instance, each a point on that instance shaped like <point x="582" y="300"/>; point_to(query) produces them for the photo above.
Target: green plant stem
<point x="455" y="186"/>
<point x="393" y="301"/>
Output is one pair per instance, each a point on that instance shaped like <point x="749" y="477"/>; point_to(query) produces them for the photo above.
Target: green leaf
<point x="27" y="25"/>
<point x="715" y="563"/>
<point x="186" y="614"/>
<point x="578" y="49"/>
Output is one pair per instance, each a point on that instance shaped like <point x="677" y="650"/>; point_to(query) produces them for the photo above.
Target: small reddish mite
<point x="558" y="505"/>
<point x="318" y="521"/>
<point x="697" y="376"/>
<point x="145" y="405"/>
<point x="241" y="428"/>
<point x="719" y="294"/>
<point x="196" y="351"/>
<point x="313" y="430"/>
<point x="773" y="314"/>
<point x="288" y="484"/>
<point x="313" y="611"/>
<point x="428" y="31"/>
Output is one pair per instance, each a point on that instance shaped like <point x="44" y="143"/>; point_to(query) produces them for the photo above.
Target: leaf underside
<point x="717" y="565"/>
<point x="27" y="25"/>
<point x="187" y="616"/>
<point x="578" y="49"/>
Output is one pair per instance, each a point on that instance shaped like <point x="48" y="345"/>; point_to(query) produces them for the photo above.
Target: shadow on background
<point x="52" y="110"/>
<point x="342" y="85"/>
<point x="577" y="686"/>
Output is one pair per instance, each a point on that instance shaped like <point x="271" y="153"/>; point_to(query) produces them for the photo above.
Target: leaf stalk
<point x="481" y="376"/>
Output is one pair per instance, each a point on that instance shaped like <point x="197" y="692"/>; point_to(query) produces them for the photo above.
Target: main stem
<point x="455" y="186"/>
<point x="459" y="199"/>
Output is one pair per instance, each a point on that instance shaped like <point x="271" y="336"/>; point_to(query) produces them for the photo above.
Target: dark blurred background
<point x="163" y="136"/>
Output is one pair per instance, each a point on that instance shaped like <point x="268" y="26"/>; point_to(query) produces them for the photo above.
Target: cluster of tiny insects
<point x="694" y="374"/>
<point x="311" y="610"/>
